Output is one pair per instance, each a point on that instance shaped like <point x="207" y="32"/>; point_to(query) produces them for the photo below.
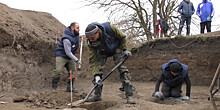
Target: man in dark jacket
<point x="186" y="9"/>
<point x="65" y="54"/>
<point x="205" y="11"/>
<point x="105" y="40"/>
<point x="174" y="74"/>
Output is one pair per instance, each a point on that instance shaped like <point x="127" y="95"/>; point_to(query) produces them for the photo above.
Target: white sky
<point x="67" y="11"/>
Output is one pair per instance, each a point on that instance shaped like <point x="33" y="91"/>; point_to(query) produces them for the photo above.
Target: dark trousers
<point x="206" y="24"/>
<point x="188" y="22"/>
<point x="171" y="91"/>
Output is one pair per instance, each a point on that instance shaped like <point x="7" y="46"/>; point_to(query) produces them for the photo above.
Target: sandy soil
<point x="112" y="99"/>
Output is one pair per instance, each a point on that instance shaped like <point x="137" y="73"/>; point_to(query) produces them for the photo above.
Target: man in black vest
<point x="65" y="54"/>
<point x="173" y="75"/>
<point x="105" y="40"/>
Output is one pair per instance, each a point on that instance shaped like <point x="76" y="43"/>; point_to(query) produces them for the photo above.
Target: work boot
<point x="68" y="87"/>
<point x="129" y="94"/>
<point x="97" y="95"/>
<point x="54" y="83"/>
<point x="122" y="88"/>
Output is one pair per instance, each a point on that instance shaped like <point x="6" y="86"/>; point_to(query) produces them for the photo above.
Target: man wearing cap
<point x="105" y="40"/>
<point x="174" y="74"/>
<point x="65" y="54"/>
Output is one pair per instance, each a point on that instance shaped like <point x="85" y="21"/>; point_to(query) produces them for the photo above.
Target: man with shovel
<point x="174" y="74"/>
<point x="65" y="54"/>
<point x="105" y="40"/>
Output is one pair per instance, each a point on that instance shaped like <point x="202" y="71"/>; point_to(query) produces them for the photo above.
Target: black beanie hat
<point x="175" y="67"/>
<point x="91" y="29"/>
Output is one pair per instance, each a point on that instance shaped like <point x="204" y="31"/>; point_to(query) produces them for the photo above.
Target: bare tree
<point x="135" y="16"/>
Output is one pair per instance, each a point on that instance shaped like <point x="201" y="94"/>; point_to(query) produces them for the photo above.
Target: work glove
<point x="97" y="79"/>
<point x="128" y="53"/>
<point x="185" y="98"/>
<point x="79" y="62"/>
<point x="159" y="95"/>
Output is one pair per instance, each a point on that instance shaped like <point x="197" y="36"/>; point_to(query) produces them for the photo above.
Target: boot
<point x="68" y="87"/>
<point x="129" y="94"/>
<point x="97" y="95"/>
<point x="54" y="83"/>
<point x="122" y="88"/>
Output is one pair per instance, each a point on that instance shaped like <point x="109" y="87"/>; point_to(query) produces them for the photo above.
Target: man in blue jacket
<point x="65" y="54"/>
<point x="205" y="11"/>
<point x="186" y="9"/>
<point x="174" y="74"/>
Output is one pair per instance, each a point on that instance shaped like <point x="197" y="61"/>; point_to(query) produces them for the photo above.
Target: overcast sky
<point x="67" y="11"/>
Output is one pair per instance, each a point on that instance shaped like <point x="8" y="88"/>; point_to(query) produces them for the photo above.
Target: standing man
<point x="205" y="11"/>
<point x="186" y="9"/>
<point x="65" y="54"/>
<point x="105" y="40"/>
<point x="174" y="74"/>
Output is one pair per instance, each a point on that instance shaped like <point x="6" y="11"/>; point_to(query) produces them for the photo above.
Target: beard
<point x="76" y="33"/>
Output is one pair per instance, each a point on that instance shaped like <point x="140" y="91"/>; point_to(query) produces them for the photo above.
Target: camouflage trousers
<point x="117" y="57"/>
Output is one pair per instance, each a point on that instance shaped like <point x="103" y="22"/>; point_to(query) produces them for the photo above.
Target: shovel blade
<point x="76" y="103"/>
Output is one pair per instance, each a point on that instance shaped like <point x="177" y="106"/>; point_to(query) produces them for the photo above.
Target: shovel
<point x="77" y="103"/>
<point x="81" y="49"/>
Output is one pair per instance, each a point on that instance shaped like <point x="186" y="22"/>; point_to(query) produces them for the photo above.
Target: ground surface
<point x="113" y="99"/>
<point x="27" y="44"/>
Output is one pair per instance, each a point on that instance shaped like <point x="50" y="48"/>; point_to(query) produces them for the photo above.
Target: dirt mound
<point x="49" y="99"/>
<point x="27" y="61"/>
<point x="200" y="52"/>
<point x="60" y="100"/>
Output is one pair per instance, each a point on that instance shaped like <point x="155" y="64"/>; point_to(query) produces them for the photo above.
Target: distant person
<point x="205" y="11"/>
<point x="65" y="54"/>
<point x="174" y="74"/>
<point x="186" y="9"/>
<point x="162" y="28"/>
<point x="105" y="40"/>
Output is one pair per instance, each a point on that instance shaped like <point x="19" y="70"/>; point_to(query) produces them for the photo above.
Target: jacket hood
<point x="68" y="32"/>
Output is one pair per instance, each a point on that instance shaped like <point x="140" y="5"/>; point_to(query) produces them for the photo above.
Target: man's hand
<point x="128" y="53"/>
<point x="185" y="98"/>
<point x="79" y="62"/>
<point x="158" y="95"/>
<point x="97" y="79"/>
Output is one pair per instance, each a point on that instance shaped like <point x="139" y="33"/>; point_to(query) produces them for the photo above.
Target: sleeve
<point x="193" y="9"/>
<point x="157" y="86"/>
<point x="120" y="35"/>
<point x="93" y="61"/>
<point x="212" y="10"/>
<point x="198" y="11"/>
<point x="188" y="85"/>
<point x="67" y="48"/>
<point x="180" y="8"/>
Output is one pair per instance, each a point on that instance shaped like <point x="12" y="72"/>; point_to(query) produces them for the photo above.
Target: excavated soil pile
<point x="49" y="99"/>
<point x="60" y="100"/>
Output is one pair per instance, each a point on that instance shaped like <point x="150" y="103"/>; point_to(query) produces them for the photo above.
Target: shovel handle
<point x="105" y="77"/>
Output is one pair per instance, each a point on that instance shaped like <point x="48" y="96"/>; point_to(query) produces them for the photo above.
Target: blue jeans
<point x="182" y="21"/>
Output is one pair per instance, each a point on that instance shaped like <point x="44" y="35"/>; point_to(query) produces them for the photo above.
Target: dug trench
<point x="27" y="73"/>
